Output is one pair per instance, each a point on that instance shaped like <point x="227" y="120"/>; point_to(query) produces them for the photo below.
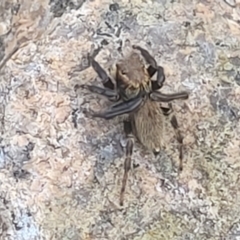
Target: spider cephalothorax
<point x="132" y="77"/>
<point x="137" y="95"/>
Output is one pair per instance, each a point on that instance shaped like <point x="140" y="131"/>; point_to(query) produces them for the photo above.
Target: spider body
<point x="136" y="95"/>
<point x="147" y="121"/>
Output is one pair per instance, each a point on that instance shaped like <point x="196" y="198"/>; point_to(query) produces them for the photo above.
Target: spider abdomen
<point x="149" y="125"/>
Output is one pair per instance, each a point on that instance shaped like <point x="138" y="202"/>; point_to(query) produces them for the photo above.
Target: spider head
<point x="132" y="77"/>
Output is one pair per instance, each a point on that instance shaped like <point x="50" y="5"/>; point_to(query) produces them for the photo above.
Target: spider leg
<point x="128" y="159"/>
<point x="112" y="95"/>
<point x="160" y="78"/>
<point x="106" y="80"/>
<point x="153" y="68"/>
<point x="174" y="123"/>
<point x="110" y="91"/>
<point x="158" y="96"/>
<point x="147" y="56"/>
<point x="121" y="108"/>
<point x="167" y="112"/>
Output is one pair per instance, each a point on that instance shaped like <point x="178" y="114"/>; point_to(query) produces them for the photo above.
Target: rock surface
<point x="61" y="172"/>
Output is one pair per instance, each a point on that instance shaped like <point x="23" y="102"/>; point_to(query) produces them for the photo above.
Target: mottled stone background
<point x="61" y="172"/>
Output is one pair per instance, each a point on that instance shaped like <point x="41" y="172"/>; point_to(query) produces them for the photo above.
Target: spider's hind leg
<point x="179" y="136"/>
<point x="153" y="68"/>
<point x="127" y="163"/>
<point x="168" y="111"/>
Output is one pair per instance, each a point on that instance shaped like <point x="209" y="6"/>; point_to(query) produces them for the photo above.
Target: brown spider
<point x="137" y="96"/>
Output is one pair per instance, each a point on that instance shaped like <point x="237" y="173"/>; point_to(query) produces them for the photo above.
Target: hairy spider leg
<point x="112" y="95"/>
<point x="106" y="80"/>
<point x="167" y="112"/>
<point x="127" y="163"/>
<point x="121" y="108"/>
<point x="108" y="90"/>
<point x="158" y="96"/>
<point x="174" y="123"/>
<point x="153" y="68"/>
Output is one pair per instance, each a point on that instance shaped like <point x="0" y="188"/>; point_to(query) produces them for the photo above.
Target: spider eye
<point x="132" y="88"/>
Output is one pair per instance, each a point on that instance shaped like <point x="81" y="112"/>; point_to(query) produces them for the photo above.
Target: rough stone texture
<point x="60" y="172"/>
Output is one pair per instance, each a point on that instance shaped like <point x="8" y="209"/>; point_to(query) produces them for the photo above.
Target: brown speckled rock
<point x="61" y="172"/>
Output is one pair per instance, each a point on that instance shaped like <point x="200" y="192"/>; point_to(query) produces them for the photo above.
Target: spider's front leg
<point x="108" y="90"/>
<point x="106" y="80"/>
<point x="121" y="108"/>
<point x="163" y="97"/>
<point x="153" y="68"/>
<point x="127" y="163"/>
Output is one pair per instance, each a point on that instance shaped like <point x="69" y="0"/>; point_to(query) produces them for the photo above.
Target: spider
<point x="135" y="94"/>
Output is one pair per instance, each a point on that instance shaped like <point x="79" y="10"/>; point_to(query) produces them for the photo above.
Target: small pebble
<point x="228" y="66"/>
<point x="114" y="7"/>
